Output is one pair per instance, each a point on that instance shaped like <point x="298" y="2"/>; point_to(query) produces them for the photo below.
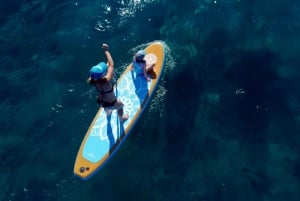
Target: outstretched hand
<point x="105" y="47"/>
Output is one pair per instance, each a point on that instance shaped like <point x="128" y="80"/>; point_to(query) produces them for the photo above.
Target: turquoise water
<point x="224" y="124"/>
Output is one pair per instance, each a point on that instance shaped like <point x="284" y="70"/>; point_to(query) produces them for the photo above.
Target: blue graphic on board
<point x="132" y="90"/>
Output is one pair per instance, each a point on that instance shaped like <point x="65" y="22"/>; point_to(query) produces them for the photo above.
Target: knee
<point x="120" y="104"/>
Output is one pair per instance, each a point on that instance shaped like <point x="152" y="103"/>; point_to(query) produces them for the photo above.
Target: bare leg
<point x="119" y="106"/>
<point x="123" y="117"/>
<point x="150" y="67"/>
<point x="150" y="71"/>
<point x="108" y="111"/>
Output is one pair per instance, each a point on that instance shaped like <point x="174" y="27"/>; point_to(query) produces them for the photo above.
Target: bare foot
<point x="124" y="118"/>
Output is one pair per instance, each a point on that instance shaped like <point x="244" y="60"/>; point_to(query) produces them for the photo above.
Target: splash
<point x="114" y="15"/>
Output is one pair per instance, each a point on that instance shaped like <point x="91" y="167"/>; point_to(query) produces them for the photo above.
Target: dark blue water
<point x="223" y="126"/>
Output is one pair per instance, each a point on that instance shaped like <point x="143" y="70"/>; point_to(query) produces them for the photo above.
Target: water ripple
<point x="115" y="14"/>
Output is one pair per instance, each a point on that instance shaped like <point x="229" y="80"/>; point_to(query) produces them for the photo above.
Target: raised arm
<point x="110" y="62"/>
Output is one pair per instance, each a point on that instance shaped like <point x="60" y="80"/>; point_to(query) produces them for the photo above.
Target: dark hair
<point x="140" y="61"/>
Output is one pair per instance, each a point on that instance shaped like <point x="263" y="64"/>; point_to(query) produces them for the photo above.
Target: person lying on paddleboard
<point x="140" y="66"/>
<point x="101" y="77"/>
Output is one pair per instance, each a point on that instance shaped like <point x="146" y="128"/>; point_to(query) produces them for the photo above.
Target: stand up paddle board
<point x="106" y="133"/>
